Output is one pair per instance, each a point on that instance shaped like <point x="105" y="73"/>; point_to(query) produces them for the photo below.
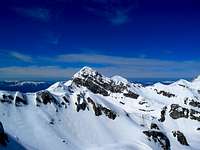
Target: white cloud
<point x="129" y="67"/>
<point x="20" y="56"/>
<point x="36" y="72"/>
<point x="117" y="60"/>
<point x="137" y="67"/>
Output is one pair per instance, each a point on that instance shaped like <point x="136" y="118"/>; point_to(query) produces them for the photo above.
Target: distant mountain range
<point x="24" y="86"/>
<point x="95" y="112"/>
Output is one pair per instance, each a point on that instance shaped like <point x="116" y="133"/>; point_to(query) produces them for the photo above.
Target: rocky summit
<point x="95" y="112"/>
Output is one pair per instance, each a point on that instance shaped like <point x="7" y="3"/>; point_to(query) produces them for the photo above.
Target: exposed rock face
<point x="164" y="93"/>
<point x="198" y="91"/>
<point x="81" y="106"/>
<point x="66" y="100"/>
<point x="20" y="101"/>
<point x="3" y="136"/>
<point x="92" y="85"/>
<point x="194" y="115"/>
<point x="183" y="85"/>
<point x="83" y="103"/>
<point x="180" y="137"/>
<point x="194" y="103"/>
<point x="154" y="126"/>
<point x="158" y="136"/>
<point x="131" y="95"/>
<point x="7" y="99"/>
<point x="46" y="97"/>
<point x="177" y="112"/>
<point x="162" y="114"/>
<point x="99" y="84"/>
<point x="99" y="110"/>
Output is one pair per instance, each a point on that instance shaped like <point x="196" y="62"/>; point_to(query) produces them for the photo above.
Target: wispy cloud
<point x="118" y="17"/>
<point x="129" y="67"/>
<point x="116" y="12"/>
<point x="21" y="57"/>
<point x="117" y="60"/>
<point x="36" y="72"/>
<point x="41" y="14"/>
<point x="137" y="67"/>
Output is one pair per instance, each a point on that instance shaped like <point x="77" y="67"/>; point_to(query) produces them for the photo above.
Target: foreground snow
<point x="94" y="112"/>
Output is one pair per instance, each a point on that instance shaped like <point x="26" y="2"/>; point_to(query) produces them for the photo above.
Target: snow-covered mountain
<point x="94" y="112"/>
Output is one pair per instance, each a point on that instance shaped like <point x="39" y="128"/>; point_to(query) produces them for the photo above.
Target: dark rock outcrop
<point x="160" y="137"/>
<point x="164" y="93"/>
<point x="180" y="137"/>
<point x="122" y="103"/>
<point x="99" y="110"/>
<point x="162" y="114"/>
<point x="52" y="121"/>
<point x="109" y="113"/>
<point x="198" y="91"/>
<point x="183" y="85"/>
<point x="177" y="112"/>
<point x="66" y="100"/>
<point x="142" y="102"/>
<point x="154" y="126"/>
<point x="7" y="99"/>
<point x="96" y="109"/>
<point x="17" y="100"/>
<point x="3" y="136"/>
<point x="93" y="85"/>
<point x="81" y="106"/>
<point x="194" y="103"/>
<point x="146" y="110"/>
<point x="46" y="97"/>
<point x="20" y="101"/>
<point x="194" y="115"/>
<point x="131" y="95"/>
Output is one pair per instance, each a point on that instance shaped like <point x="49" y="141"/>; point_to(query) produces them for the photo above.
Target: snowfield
<point x="94" y="112"/>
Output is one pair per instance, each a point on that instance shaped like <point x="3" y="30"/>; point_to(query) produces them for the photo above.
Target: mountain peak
<point x="85" y="72"/>
<point x="118" y="79"/>
<point x="87" y="69"/>
<point x="197" y="79"/>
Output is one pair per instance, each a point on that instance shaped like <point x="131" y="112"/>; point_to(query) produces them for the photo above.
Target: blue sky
<point x="52" y="39"/>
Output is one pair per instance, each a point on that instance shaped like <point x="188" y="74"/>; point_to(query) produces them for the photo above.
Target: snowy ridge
<point x="94" y="112"/>
<point x="118" y="79"/>
<point x="197" y="79"/>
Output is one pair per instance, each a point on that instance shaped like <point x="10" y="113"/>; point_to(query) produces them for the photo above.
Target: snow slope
<point x="94" y="112"/>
